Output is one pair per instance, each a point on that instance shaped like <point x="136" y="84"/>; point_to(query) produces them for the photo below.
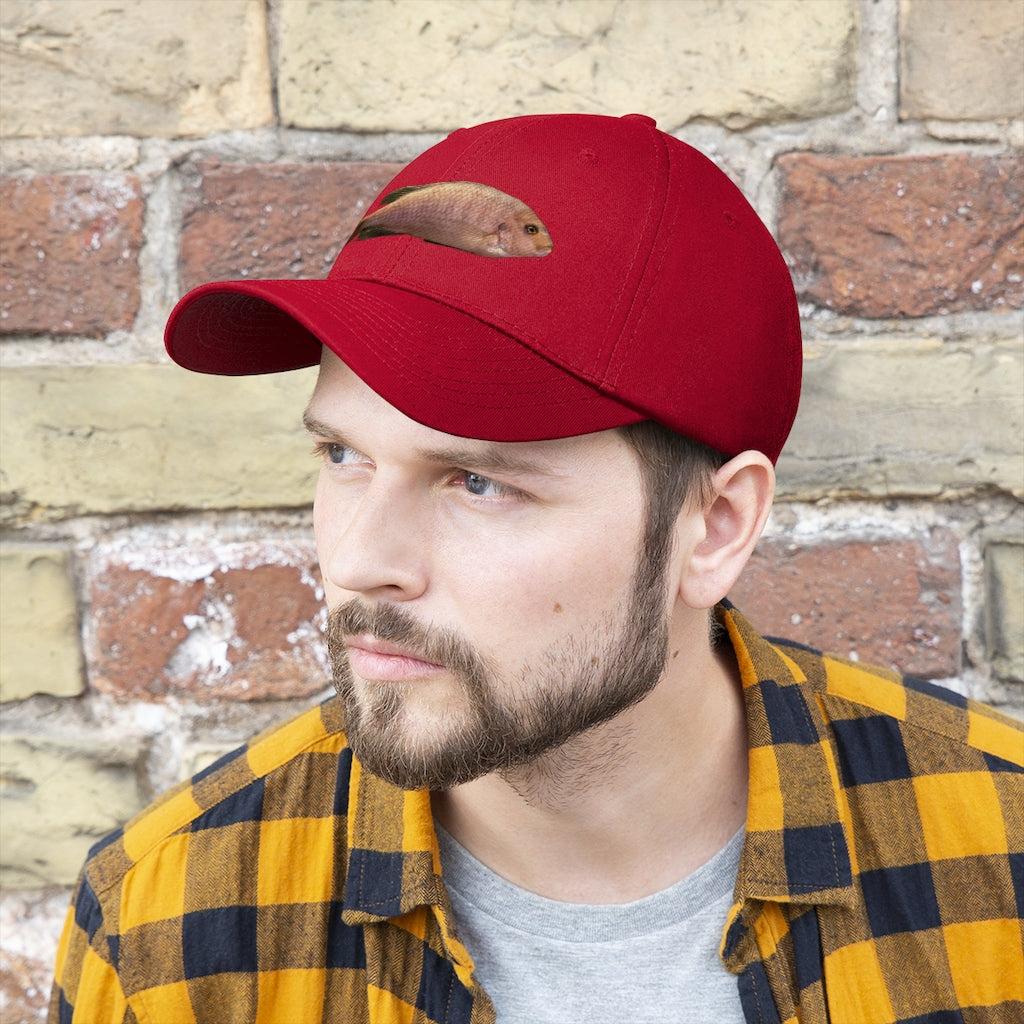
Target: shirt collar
<point x="394" y="864"/>
<point x="796" y="848"/>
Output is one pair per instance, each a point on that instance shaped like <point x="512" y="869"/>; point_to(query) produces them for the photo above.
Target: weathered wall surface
<point x="160" y="595"/>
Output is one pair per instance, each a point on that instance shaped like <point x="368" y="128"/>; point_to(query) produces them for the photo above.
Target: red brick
<point x="69" y="249"/>
<point x="25" y="985"/>
<point x="904" y="236"/>
<point x="273" y="220"/>
<point x="247" y="631"/>
<point x="895" y="602"/>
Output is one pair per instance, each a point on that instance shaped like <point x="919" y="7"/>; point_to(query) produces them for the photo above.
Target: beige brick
<point x="133" y="67"/>
<point x="41" y="652"/>
<point x="893" y="416"/>
<point x="878" y="417"/>
<point x="124" y="438"/>
<point x="1004" y="607"/>
<point x="57" y="798"/>
<point x="961" y="60"/>
<point x="432" y="64"/>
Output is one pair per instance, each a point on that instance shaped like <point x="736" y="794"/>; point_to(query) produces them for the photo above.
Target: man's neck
<point x="629" y="807"/>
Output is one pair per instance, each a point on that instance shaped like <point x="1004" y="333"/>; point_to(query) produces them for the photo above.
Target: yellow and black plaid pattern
<point x="882" y="875"/>
<point x="881" y="880"/>
<point x="252" y="894"/>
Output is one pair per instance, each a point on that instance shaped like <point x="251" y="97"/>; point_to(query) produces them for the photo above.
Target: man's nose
<point x="374" y="545"/>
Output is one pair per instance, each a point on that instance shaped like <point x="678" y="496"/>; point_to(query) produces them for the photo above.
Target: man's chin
<point x="410" y="751"/>
<point x="419" y="774"/>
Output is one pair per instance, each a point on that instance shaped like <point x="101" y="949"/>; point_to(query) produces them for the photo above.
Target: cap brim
<point x="439" y="366"/>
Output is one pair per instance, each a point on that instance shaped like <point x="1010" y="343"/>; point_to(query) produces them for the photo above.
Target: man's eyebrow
<point x="318" y="427"/>
<point x="492" y="458"/>
<point x="488" y="456"/>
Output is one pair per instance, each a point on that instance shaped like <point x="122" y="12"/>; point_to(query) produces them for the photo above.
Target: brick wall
<point x="160" y="594"/>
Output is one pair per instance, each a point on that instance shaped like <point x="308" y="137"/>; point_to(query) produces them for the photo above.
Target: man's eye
<point x="484" y="487"/>
<point x="480" y="485"/>
<point x="337" y="454"/>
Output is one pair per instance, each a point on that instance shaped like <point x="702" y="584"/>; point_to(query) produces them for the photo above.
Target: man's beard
<point x="500" y="724"/>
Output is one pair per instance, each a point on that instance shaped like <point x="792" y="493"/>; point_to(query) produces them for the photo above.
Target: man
<point x="563" y="779"/>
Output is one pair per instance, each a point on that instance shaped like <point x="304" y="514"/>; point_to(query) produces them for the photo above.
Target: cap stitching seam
<point x="633" y="322"/>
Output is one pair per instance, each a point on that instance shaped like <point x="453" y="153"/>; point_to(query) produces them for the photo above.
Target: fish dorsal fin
<point x="392" y="197"/>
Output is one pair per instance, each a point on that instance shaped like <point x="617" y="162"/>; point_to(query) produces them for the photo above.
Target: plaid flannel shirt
<point x="881" y="878"/>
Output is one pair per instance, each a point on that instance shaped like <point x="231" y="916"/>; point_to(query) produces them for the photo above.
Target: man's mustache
<point x="387" y="622"/>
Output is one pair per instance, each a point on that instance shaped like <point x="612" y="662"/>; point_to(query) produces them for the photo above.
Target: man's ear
<point x="717" y="540"/>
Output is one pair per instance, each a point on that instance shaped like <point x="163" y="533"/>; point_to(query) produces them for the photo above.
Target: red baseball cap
<point x="658" y="293"/>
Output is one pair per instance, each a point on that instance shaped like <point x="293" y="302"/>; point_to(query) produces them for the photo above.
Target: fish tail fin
<point x="367" y="229"/>
<point x="364" y="231"/>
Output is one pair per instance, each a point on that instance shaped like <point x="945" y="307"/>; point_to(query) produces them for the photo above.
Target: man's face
<point x="482" y="597"/>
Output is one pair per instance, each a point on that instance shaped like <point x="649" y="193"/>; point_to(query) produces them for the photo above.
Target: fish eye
<point x="531" y="229"/>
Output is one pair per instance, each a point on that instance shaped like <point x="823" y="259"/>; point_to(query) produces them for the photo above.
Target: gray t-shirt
<point x="654" y="961"/>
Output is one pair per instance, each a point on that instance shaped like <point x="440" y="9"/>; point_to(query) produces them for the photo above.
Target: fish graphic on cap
<point x="460" y="214"/>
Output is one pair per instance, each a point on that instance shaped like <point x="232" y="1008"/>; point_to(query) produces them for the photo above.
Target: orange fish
<point x="460" y="214"/>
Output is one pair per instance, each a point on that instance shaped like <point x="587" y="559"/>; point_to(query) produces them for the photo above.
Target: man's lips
<point x="375" y="659"/>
